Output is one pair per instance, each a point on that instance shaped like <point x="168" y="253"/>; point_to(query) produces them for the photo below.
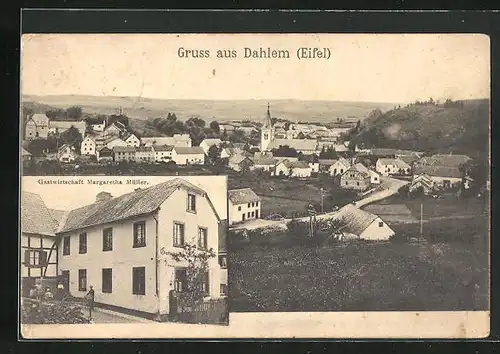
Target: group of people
<point x="47" y="294"/>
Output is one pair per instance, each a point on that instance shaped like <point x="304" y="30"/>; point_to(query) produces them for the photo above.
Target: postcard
<point x="255" y="185"/>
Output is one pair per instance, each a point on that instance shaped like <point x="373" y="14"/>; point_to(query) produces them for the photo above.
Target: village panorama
<point x="384" y="211"/>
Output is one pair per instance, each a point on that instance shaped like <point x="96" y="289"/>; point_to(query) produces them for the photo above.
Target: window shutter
<point x="26" y="257"/>
<point x="43" y="258"/>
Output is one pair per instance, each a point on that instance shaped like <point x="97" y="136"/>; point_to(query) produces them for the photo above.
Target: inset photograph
<point x="123" y="250"/>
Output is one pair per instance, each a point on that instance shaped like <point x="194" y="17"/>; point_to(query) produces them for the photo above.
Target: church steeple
<point x="267" y="121"/>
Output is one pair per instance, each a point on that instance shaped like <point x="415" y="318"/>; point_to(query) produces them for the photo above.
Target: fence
<point x="213" y="311"/>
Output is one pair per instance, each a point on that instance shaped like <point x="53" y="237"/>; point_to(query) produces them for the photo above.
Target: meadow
<point x="443" y="273"/>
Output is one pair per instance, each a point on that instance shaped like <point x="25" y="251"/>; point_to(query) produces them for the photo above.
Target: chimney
<point x="103" y="197"/>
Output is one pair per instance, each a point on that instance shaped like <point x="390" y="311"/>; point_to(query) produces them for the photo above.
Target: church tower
<point x="267" y="132"/>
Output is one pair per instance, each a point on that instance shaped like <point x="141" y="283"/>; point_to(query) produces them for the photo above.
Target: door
<point x="243" y="217"/>
<point x="257" y="214"/>
<point x="173" y="304"/>
<point x="65" y="279"/>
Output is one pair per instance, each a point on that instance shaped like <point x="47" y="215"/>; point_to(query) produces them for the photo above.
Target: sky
<point x="362" y="67"/>
<point x="68" y="197"/>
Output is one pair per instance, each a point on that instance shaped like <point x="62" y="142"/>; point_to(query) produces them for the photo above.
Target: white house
<point x="339" y="167"/>
<point x="207" y="143"/>
<point x="362" y="224"/>
<point x="374" y="176"/>
<point x="98" y="127"/>
<point x="66" y="153"/>
<point x="188" y="155"/>
<point x="144" y="154"/>
<point x="293" y="169"/>
<point x="88" y="146"/>
<point x="115" y="129"/>
<point x="122" y="246"/>
<point x="38" y="241"/>
<point x="387" y="166"/>
<point x="244" y="204"/>
<point x="132" y="140"/>
<point x="37" y="126"/>
<point x="115" y="142"/>
<point x="443" y="170"/>
<point x="162" y="153"/>
<point x="264" y="164"/>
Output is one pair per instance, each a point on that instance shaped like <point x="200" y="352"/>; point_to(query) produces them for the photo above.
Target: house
<point x="124" y="153"/>
<point x="132" y="140"/>
<point x="26" y="155"/>
<point x="355" y="179"/>
<point x="293" y="169"/>
<point x="339" y="167"/>
<point x="105" y="154"/>
<point x="313" y="162"/>
<point x="443" y="170"/>
<point x="115" y="141"/>
<point x="264" y="164"/>
<point x="38" y="241"/>
<point x="422" y="182"/>
<point x="247" y="130"/>
<point x="37" y="127"/>
<point x="324" y="164"/>
<point x="305" y="146"/>
<point x="99" y="126"/>
<point x="239" y="163"/>
<point x="60" y="126"/>
<point x="181" y="140"/>
<point x="66" y="153"/>
<point x="162" y="153"/>
<point x="88" y="146"/>
<point x="244" y="204"/>
<point x="207" y="143"/>
<point x="222" y="257"/>
<point x="122" y="246"/>
<point x="188" y="155"/>
<point x="374" y="176"/>
<point x="362" y="224"/>
<point x="392" y="166"/>
<point x="144" y="154"/>
<point x="115" y="129"/>
<point x="230" y="151"/>
<point x="381" y="152"/>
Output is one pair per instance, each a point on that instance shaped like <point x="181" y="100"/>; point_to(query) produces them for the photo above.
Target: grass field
<point x="451" y="275"/>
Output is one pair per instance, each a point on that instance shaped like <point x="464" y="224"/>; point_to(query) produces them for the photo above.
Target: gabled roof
<point x="25" y="152"/>
<point x="237" y="159"/>
<point x="35" y="216"/>
<point x="264" y="161"/>
<point x="438" y="171"/>
<point x="211" y="141"/>
<point x="354" y="220"/>
<point x="294" y="164"/>
<point x="66" y="124"/>
<point x="129" y="149"/>
<point x="40" y="119"/>
<point x="297" y="144"/>
<point x="162" y="147"/>
<point x="184" y="150"/>
<point x="243" y="195"/>
<point x="394" y="162"/>
<point x="144" y="149"/>
<point x="128" y="135"/>
<point x="343" y="161"/>
<point x="129" y="205"/>
<point x="444" y="160"/>
<point x="327" y="162"/>
<point x="64" y="147"/>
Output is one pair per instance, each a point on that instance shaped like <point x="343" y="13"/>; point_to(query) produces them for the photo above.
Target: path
<point x="107" y="316"/>
<point x="388" y="187"/>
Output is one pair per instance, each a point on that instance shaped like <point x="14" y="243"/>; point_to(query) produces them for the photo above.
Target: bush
<point x="51" y="312"/>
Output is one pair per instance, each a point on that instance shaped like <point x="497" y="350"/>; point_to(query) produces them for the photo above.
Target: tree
<point x="285" y="151"/>
<point x="196" y="270"/>
<point x="214" y="154"/>
<point x="224" y="135"/>
<point x="328" y="153"/>
<point x="195" y="122"/>
<point x="72" y="137"/>
<point x="74" y="112"/>
<point x="214" y="125"/>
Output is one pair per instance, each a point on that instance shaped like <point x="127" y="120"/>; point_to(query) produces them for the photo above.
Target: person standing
<point x="60" y="291"/>
<point x="90" y="300"/>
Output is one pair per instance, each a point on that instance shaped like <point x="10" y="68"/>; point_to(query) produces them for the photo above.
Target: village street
<point x="108" y="316"/>
<point x="389" y="186"/>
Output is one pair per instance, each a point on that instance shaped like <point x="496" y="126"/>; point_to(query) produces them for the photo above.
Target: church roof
<point x="267" y="120"/>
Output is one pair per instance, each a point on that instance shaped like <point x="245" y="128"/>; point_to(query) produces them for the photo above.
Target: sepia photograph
<point x="101" y="250"/>
<point x="355" y="169"/>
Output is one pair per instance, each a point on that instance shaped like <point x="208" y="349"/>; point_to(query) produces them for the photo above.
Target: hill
<point x="459" y="127"/>
<point x="220" y="110"/>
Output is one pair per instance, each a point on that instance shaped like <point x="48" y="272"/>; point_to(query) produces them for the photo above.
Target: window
<point x="253" y="214"/>
<point x="191" y="203"/>
<point x="178" y="234"/>
<point x="35" y="258"/>
<point x="256" y="204"/>
<point x="357" y="183"/>
<point x="82" y="248"/>
<point x="248" y="205"/>
<point x="107" y="280"/>
<point x="248" y="214"/>
<point x="243" y="217"/>
<point x="239" y="208"/>
<point x="140" y="234"/>
<point x="253" y="204"/>
<point x="107" y="239"/>
<point x="223" y="289"/>
<point x="202" y="238"/>
<point x="139" y="281"/>
<point x="66" y="245"/>
<point x="223" y="261"/>
<point x="82" y="279"/>
<point x="180" y="281"/>
<point x="380" y="224"/>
